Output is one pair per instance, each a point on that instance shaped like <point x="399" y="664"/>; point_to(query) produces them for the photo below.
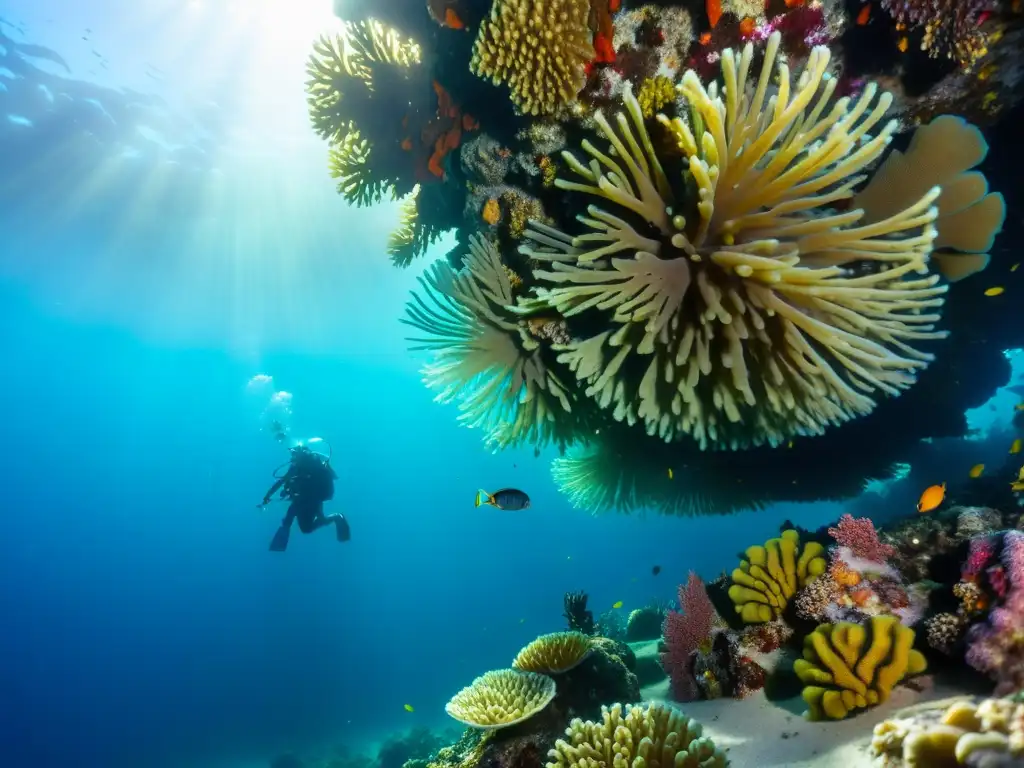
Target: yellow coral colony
<point x="501" y="698"/>
<point x="645" y="735"/>
<point x="539" y="48"/>
<point x="483" y="359"/>
<point x="772" y="574"/>
<point x="554" y="653"/>
<point x="852" y="666"/>
<point x="753" y="311"/>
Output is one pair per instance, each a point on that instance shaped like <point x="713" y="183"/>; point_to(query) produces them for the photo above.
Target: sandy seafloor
<point x="758" y="733"/>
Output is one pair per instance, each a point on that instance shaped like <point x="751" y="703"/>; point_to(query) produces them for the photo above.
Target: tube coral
<point x="746" y="311"/>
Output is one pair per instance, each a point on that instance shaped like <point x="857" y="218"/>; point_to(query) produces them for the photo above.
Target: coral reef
<point x="645" y="623"/>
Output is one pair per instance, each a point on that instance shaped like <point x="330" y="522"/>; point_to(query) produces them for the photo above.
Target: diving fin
<point x="341" y="528"/>
<point x="280" y="541"/>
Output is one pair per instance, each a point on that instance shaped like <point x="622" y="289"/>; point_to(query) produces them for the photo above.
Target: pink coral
<point x="684" y="632"/>
<point x="996" y="646"/>
<point x="860" y="536"/>
<point x="979" y="554"/>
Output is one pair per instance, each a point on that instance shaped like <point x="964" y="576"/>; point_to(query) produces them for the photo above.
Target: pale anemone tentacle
<point x="483" y="360"/>
<point x="756" y="311"/>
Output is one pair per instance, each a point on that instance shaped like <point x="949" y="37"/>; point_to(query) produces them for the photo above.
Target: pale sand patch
<point x="758" y="733"/>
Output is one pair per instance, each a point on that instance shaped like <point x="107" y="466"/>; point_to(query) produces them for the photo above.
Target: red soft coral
<point x="684" y="631"/>
<point x="859" y="534"/>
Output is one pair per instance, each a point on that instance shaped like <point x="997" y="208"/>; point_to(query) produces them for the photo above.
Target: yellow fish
<point x="670" y="475"/>
<point x="1019" y="407"/>
<point x="1014" y="267"/>
<point x="994" y="291"/>
<point x="1015" y="447"/>
<point x="931" y="498"/>
<point x="617" y="604"/>
<point x="977" y="469"/>
<point x="408" y="708"/>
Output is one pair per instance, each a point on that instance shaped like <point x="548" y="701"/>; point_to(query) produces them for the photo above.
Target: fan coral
<point x="796" y="316"/>
<point x="860" y="536"/>
<point x="501" y="698"/>
<point x="645" y="735"/>
<point x="554" y="653"/>
<point x="852" y="666"/>
<point x="684" y="631"/>
<point x="539" y="49"/>
<point x="772" y="574"/>
<point x="483" y="359"/>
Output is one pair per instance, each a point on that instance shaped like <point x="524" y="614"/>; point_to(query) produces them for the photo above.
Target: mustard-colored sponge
<point x="772" y="574"/>
<point x="853" y="666"/>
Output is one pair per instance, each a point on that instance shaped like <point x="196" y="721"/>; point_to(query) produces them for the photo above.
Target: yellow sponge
<point x="852" y="666"/>
<point x="772" y="574"/>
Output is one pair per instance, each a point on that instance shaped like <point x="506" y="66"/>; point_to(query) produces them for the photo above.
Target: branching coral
<point x="644" y="735"/>
<point x="348" y="162"/>
<point x="501" y="698"/>
<point x="554" y="653"/>
<point x="483" y="359"/>
<point x="853" y="666"/>
<point x="860" y="536"/>
<point x="539" y="49"/>
<point x="772" y="574"/>
<point x="740" y="308"/>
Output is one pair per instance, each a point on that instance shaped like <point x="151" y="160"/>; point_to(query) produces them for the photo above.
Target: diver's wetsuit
<point x="309" y="482"/>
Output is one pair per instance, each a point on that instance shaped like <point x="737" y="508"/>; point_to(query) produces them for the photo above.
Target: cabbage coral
<point x="484" y="359"/>
<point x="741" y="308"/>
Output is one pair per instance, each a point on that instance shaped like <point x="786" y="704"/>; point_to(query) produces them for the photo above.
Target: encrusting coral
<point x="739" y="308"/>
<point x="852" y="666"/>
<point x="484" y="360"/>
<point x="501" y="698"/>
<point x="539" y="49"/>
<point x="554" y="653"/>
<point x="646" y="735"/>
<point x="960" y="731"/>
<point x="771" y="574"/>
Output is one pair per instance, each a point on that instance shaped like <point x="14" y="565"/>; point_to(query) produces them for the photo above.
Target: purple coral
<point x="996" y="646"/>
<point x="684" y="632"/>
<point x="951" y="27"/>
<point x="980" y="552"/>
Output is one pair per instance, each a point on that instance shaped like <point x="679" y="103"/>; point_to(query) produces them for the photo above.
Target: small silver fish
<point x="508" y="499"/>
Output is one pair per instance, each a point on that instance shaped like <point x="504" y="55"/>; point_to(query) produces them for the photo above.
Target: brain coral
<point x="501" y="698"/>
<point x="741" y="307"/>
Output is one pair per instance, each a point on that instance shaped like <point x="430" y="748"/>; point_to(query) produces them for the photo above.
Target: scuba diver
<point x="308" y="483"/>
